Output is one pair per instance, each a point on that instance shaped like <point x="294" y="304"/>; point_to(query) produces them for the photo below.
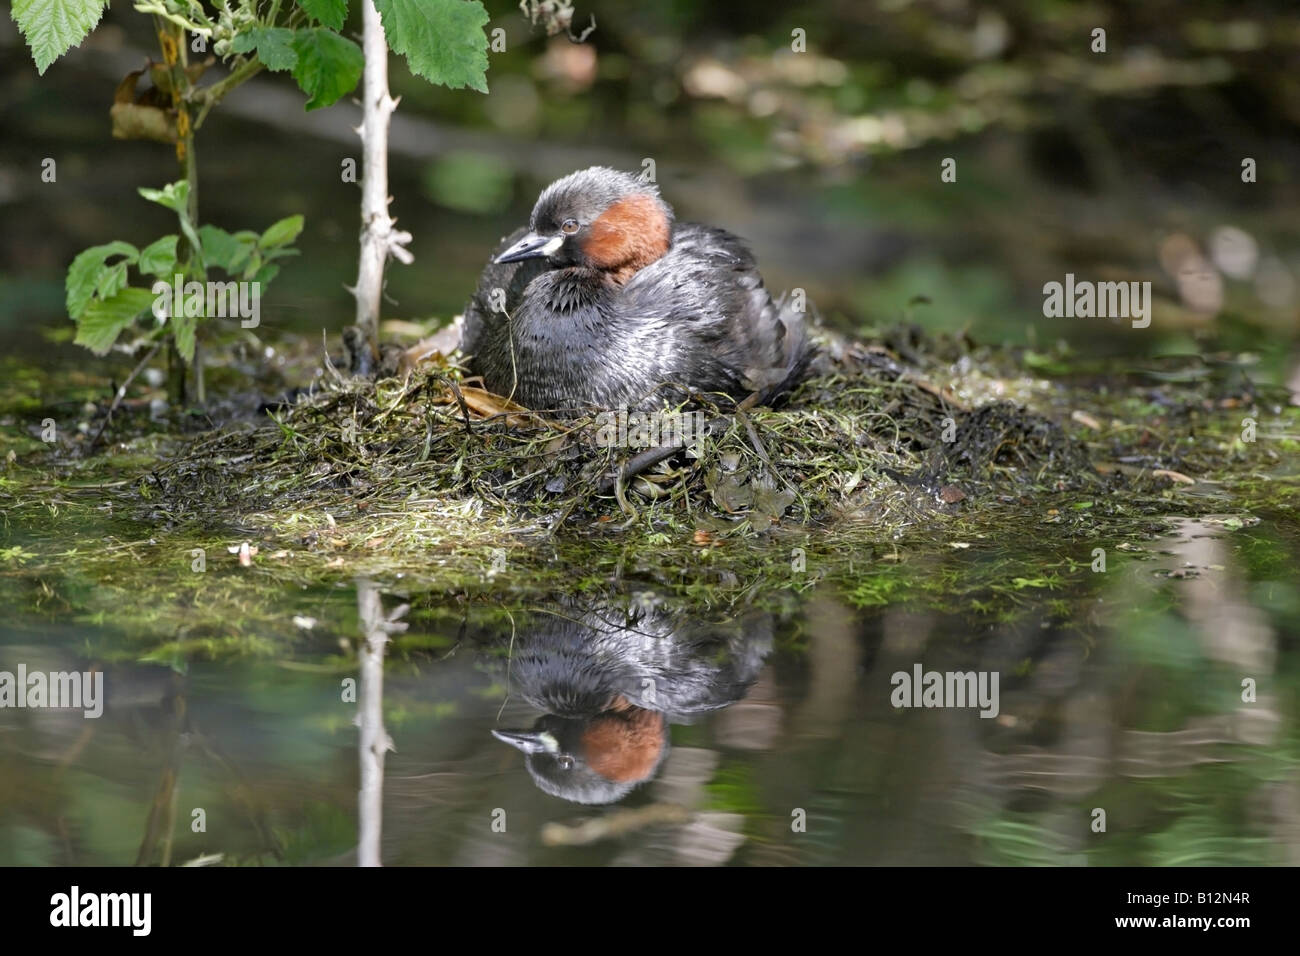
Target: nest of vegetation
<point x="868" y="431"/>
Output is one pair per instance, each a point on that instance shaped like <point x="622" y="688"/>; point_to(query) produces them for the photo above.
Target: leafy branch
<point x="442" y="40"/>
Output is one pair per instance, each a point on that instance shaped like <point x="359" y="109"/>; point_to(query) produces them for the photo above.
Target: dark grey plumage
<point x="573" y="662"/>
<point x="574" y="334"/>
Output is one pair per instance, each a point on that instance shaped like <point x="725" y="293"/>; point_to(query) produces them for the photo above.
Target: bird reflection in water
<point x="611" y="679"/>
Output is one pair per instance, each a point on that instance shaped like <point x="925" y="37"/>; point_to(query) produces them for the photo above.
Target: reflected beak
<point x="531" y="246"/>
<point x="530" y="742"/>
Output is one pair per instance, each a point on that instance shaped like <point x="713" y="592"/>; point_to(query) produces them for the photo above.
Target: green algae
<point x="854" y="485"/>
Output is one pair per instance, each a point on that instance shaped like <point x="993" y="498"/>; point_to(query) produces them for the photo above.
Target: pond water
<point x="1105" y="724"/>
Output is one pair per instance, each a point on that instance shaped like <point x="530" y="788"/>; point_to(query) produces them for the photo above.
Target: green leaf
<point x="282" y="233"/>
<point x="85" y="271"/>
<point x="266" y="274"/>
<point x="184" y="331"/>
<point x="175" y="196"/>
<point x="98" y="327"/>
<point x="329" y="66"/>
<point x="278" y="253"/>
<point x="274" y="46"/>
<point x="159" y="258"/>
<point x="332" y="13"/>
<point x="112" y="279"/>
<point x="442" y="40"/>
<point x="52" y="27"/>
<point x="223" y="250"/>
<point x="251" y="264"/>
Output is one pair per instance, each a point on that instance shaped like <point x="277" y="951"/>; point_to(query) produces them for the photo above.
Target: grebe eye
<point x="569" y="227"/>
<point x="565" y="762"/>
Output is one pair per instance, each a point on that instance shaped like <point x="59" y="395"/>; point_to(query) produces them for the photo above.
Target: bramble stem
<point x="379" y="238"/>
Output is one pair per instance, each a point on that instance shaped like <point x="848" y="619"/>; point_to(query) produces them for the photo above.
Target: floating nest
<point x="868" y="435"/>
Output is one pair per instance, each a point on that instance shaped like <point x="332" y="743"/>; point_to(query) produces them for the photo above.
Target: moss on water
<point x="900" y="472"/>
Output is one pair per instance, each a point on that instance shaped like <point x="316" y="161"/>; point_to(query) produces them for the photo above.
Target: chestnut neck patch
<point x="624" y="744"/>
<point x="627" y="237"/>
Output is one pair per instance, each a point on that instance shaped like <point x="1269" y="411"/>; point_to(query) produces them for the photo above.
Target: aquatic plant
<point x="442" y="41"/>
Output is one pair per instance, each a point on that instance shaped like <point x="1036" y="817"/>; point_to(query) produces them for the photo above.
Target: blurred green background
<point x="1122" y="165"/>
